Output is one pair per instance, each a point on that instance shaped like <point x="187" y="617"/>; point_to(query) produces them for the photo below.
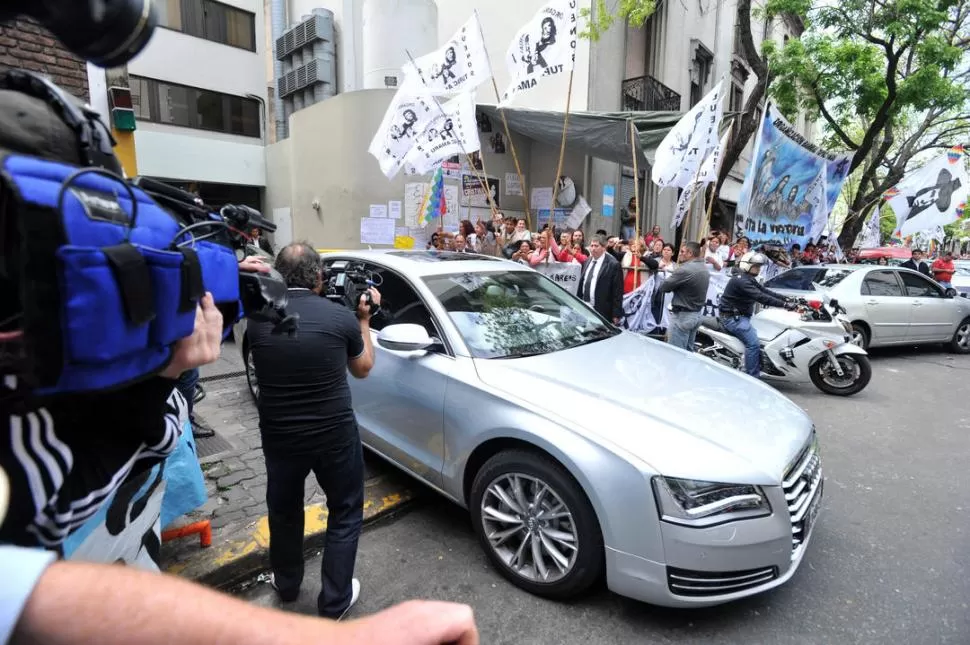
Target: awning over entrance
<point x="603" y="135"/>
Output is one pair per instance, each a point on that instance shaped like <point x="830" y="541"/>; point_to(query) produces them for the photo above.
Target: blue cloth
<point x="740" y="327"/>
<point x="20" y="570"/>
<point x="184" y="481"/>
<point x="683" y="329"/>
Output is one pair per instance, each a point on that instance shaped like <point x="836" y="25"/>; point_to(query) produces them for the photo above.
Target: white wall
<point x="185" y="153"/>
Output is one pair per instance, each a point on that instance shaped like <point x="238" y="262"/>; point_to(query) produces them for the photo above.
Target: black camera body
<point x="347" y="281"/>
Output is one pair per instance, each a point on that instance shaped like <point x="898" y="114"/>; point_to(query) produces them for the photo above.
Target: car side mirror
<point x="951" y="292"/>
<point x="405" y="337"/>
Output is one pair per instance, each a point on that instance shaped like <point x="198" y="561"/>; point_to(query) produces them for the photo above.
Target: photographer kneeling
<point x="307" y="423"/>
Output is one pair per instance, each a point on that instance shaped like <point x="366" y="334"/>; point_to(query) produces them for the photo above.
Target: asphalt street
<point x="888" y="562"/>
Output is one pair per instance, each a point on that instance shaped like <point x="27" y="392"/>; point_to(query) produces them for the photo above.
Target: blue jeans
<point x="186" y="385"/>
<point x="740" y="327"/>
<point x="683" y="329"/>
<point x="946" y="285"/>
<point x="339" y="469"/>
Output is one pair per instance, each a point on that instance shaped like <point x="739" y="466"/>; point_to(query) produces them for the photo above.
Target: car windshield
<point x="513" y="314"/>
<point x="801" y="279"/>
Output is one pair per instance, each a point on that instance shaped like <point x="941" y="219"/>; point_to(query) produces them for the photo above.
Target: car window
<point x="962" y="268"/>
<point x="512" y="314"/>
<point x="802" y="279"/>
<point x="881" y="283"/>
<point x="919" y="287"/>
<point x="400" y="303"/>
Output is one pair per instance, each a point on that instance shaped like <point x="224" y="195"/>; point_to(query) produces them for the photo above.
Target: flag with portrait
<point x="453" y="131"/>
<point x="461" y="64"/>
<point x="545" y="47"/>
<point x="411" y="111"/>
<point x="779" y="202"/>
<point x="689" y="142"/>
<point x="932" y="196"/>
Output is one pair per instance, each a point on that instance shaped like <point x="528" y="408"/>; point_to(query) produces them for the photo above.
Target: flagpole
<point x="717" y="169"/>
<point x="441" y="111"/>
<point x="636" y="196"/>
<point x="508" y="133"/>
<point x="562" y="155"/>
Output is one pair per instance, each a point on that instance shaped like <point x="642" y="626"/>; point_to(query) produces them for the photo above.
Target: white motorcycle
<point x="810" y="344"/>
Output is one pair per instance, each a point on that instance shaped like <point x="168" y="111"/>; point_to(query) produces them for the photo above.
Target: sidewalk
<point x="236" y="481"/>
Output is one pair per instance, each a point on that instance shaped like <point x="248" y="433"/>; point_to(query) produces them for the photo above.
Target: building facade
<point x="199" y="94"/>
<point x="668" y="64"/>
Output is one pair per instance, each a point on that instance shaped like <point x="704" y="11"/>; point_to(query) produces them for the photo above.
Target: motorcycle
<point x="812" y="343"/>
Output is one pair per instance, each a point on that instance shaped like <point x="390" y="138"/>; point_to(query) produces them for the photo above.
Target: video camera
<point x="348" y="281"/>
<point x="263" y="297"/>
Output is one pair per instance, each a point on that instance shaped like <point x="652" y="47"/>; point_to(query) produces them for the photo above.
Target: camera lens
<point x="111" y="39"/>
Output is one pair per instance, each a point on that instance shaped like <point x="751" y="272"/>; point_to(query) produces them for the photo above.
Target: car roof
<point x="430" y="263"/>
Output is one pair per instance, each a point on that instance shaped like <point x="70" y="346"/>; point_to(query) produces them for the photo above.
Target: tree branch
<point x="831" y="120"/>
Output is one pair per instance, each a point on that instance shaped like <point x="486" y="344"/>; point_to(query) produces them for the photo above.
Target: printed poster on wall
<point x="778" y="202"/>
<point x="472" y="195"/>
<point x="513" y="187"/>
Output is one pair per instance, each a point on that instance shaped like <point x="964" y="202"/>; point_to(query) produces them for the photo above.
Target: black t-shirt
<point x="303" y="389"/>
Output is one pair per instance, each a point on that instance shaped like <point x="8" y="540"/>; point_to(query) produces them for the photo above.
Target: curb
<point x="234" y="561"/>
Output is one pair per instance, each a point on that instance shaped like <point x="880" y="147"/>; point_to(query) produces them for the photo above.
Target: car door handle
<point x="917" y="304"/>
<point x="872" y="302"/>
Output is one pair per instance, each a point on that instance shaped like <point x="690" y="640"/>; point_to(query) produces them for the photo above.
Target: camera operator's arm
<point x="362" y="361"/>
<point x="79" y="603"/>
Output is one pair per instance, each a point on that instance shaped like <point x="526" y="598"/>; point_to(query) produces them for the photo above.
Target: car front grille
<point x="684" y="582"/>
<point x="803" y="486"/>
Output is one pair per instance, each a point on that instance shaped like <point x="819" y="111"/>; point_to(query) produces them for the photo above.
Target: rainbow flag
<point x="954" y="154"/>
<point x="890" y="193"/>
<point x="962" y="210"/>
<point x="434" y="203"/>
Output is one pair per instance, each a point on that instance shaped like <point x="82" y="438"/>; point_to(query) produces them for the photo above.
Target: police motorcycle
<point x="812" y="343"/>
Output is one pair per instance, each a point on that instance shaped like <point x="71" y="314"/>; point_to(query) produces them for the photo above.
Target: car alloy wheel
<point x="529" y="527"/>
<point x="536" y="524"/>
<point x="961" y="338"/>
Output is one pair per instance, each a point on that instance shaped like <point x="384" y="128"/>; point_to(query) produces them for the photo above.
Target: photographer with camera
<point x="106" y="299"/>
<point x="307" y="423"/>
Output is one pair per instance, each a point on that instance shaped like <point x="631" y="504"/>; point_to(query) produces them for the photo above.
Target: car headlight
<point x="701" y="504"/>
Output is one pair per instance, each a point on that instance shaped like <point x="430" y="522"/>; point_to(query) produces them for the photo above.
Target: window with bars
<point x="190" y="107"/>
<point x="210" y="20"/>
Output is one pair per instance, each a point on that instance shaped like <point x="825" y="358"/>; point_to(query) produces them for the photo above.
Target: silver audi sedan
<point x="887" y="305"/>
<point x="581" y="451"/>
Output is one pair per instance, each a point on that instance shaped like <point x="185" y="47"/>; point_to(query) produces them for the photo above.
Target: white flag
<point x="871" y="236"/>
<point x="410" y="112"/>
<point x="817" y="199"/>
<point x="706" y="175"/>
<point x="930" y="197"/>
<point x="544" y="47"/>
<point x="460" y="65"/>
<point x="689" y="142"/>
<point x="454" y="130"/>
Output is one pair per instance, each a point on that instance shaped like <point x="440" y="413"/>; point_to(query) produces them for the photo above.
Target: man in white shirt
<point x="713" y="256"/>
<point x="601" y="282"/>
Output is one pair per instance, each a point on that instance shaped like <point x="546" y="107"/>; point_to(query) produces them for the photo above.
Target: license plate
<point x="812" y="513"/>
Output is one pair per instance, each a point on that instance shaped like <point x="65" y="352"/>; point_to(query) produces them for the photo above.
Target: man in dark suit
<point x="916" y="263"/>
<point x="601" y="283"/>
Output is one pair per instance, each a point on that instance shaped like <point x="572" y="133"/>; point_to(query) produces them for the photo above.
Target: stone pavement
<point x="236" y="483"/>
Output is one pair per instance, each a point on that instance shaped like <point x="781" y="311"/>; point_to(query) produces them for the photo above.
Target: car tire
<point x="579" y="526"/>
<point x="865" y="375"/>
<point x="960" y="343"/>
<point x="860" y="335"/>
<point x="251" y="379"/>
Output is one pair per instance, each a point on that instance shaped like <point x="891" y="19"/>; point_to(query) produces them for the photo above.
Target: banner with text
<point x="565" y="274"/>
<point x="779" y="202"/>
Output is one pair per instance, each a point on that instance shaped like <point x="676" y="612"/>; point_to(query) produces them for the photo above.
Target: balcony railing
<point x="647" y="94"/>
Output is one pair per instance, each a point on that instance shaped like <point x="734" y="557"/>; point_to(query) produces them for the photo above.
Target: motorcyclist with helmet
<point x="737" y="306"/>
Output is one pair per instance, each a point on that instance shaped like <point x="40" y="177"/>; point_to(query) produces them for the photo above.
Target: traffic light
<point x="122" y="109"/>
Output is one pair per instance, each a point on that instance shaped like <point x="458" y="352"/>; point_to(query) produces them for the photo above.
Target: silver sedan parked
<point x="886" y="305"/>
<point x="580" y="450"/>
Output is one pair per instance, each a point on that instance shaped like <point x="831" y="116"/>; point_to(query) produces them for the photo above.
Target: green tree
<point x="898" y="67"/>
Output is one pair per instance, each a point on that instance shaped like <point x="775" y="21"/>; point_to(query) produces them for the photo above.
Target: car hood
<point x="683" y="415"/>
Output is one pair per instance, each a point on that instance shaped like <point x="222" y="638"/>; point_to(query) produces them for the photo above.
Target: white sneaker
<point x="354" y="595"/>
